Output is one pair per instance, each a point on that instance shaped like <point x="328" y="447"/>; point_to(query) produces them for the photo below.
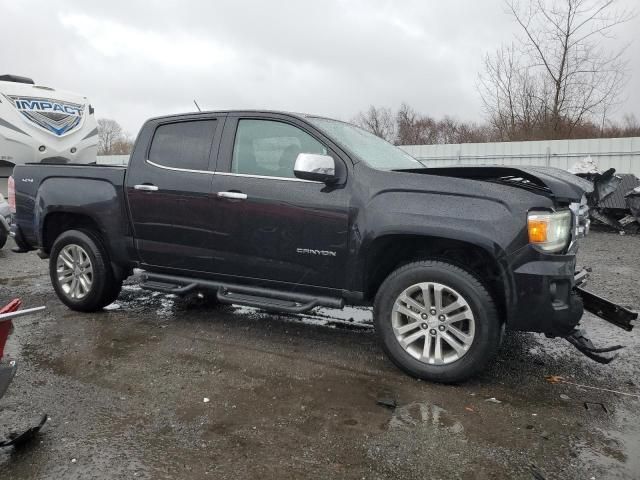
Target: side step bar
<point x="259" y="297"/>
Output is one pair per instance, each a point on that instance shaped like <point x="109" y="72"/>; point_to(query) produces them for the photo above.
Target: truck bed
<point x="42" y="189"/>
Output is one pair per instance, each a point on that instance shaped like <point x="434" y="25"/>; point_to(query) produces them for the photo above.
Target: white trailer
<point x="43" y="124"/>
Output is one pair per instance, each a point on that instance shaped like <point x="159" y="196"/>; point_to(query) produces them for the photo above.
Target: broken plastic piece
<point x="536" y="473"/>
<point x="387" y="402"/>
<point x="21" y="439"/>
<point x="595" y="406"/>
<point x="584" y="345"/>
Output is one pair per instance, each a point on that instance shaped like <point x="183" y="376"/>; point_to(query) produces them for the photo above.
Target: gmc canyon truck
<point x="288" y="212"/>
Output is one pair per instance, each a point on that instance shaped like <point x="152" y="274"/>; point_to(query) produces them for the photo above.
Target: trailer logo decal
<point x="55" y="116"/>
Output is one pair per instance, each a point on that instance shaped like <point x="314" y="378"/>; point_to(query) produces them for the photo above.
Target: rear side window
<point x="183" y="145"/>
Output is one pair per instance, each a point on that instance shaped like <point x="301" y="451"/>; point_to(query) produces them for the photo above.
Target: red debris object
<point x="5" y="326"/>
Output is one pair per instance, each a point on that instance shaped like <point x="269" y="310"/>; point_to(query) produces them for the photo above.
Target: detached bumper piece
<point x="615" y="314"/>
<point x="607" y="310"/>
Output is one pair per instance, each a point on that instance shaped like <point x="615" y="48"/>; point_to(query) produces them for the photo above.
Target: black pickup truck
<point x="287" y="212"/>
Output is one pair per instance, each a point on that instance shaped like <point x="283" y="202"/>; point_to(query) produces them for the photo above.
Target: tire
<point x="3" y="238"/>
<point x="466" y="344"/>
<point x="96" y="286"/>
<point x="114" y="293"/>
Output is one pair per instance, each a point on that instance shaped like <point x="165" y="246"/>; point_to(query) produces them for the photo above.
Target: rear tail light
<point x="11" y="184"/>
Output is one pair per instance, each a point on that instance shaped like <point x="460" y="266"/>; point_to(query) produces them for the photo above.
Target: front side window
<point x="184" y="145"/>
<point x="270" y="148"/>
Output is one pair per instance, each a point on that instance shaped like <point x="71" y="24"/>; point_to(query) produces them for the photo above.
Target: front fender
<point x="490" y="225"/>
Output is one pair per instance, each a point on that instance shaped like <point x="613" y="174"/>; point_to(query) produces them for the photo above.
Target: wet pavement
<point x="296" y="396"/>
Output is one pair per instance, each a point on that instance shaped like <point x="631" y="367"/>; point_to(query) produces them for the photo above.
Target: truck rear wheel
<point x="436" y="321"/>
<point x="80" y="271"/>
<point x="3" y="238"/>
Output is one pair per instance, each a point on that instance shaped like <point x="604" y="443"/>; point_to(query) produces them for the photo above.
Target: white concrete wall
<point x="113" y="159"/>
<point x="623" y="154"/>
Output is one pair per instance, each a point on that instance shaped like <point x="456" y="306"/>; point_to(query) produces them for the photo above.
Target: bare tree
<point x="415" y="129"/>
<point x="379" y="121"/>
<point x="122" y="146"/>
<point x="559" y="72"/>
<point x="109" y="133"/>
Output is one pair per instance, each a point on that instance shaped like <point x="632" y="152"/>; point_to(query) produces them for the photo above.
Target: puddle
<point x="421" y="413"/>
<point x="613" y="450"/>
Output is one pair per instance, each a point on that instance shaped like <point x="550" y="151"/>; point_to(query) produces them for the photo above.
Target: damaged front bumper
<point x="548" y="296"/>
<point x="542" y="298"/>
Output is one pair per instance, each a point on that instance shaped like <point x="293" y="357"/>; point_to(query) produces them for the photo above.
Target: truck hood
<point x="548" y="181"/>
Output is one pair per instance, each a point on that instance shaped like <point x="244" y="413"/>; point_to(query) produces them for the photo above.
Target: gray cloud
<point x="335" y="57"/>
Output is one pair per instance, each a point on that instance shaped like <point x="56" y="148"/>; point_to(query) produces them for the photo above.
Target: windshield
<point x="372" y="150"/>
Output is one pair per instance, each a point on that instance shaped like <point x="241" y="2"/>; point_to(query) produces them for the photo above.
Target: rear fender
<point x="97" y="200"/>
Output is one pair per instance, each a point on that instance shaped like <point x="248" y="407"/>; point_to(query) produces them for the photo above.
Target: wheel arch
<point x="389" y="252"/>
<point x="56" y="223"/>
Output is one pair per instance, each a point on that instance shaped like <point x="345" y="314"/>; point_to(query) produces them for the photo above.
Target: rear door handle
<point x="146" y="188"/>
<point x="233" y="195"/>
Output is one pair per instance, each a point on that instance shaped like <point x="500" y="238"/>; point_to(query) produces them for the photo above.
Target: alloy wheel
<point x="74" y="271"/>
<point x="433" y="323"/>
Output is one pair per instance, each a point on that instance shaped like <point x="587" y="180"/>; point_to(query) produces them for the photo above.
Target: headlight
<point x="549" y="231"/>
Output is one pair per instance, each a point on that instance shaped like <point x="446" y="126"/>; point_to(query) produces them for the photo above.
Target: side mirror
<point x="319" y="168"/>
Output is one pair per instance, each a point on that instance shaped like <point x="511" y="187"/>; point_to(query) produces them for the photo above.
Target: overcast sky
<point x="135" y="59"/>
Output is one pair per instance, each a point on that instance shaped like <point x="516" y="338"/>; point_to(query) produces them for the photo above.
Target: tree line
<point x="408" y="127"/>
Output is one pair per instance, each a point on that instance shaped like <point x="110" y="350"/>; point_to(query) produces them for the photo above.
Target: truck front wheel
<point x="436" y="321"/>
<point x="81" y="273"/>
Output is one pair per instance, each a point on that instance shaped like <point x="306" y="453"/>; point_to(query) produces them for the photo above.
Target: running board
<point x="166" y="287"/>
<point x="259" y="297"/>
<point x="272" y="304"/>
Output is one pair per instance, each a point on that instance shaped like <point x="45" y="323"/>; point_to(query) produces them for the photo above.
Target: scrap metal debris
<point x="615" y="200"/>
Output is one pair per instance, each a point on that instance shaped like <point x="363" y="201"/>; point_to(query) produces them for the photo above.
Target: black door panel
<point x="288" y="231"/>
<point x="172" y="224"/>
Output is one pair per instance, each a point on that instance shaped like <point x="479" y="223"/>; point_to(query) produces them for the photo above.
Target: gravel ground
<point x="296" y="396"/>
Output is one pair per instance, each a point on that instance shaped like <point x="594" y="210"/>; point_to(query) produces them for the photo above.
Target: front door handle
<point x="146" y="188"/>
<point x="233" y="195"/>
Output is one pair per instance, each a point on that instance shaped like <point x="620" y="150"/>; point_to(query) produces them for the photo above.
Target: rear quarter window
<point x="185" y="145"/>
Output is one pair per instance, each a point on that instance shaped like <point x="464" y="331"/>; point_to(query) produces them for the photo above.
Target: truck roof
<point x="241" y="111"/>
